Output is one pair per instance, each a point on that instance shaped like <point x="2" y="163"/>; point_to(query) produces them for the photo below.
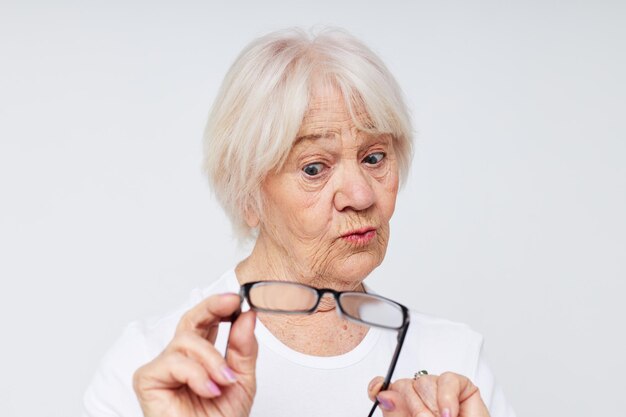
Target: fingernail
<point x="229" y="374"/>
<point x="385" y="404"/>
<point x="445" y="412"/>
<point x="214" y="389"/>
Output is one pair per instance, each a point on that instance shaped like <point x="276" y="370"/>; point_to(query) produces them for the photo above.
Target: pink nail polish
<point x="213" y="389"/>
<point x="229" y="374"/>
<point x="445" y="412"/>
<point x="385" y="404"/>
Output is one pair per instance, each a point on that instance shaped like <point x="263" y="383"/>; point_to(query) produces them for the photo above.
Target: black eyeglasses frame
<point x="402" y="330"/>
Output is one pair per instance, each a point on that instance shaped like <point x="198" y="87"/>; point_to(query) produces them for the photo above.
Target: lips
<point x="363" y="235"/>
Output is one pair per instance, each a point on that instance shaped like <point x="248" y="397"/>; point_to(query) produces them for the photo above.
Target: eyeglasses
<point x="362" y="308"/>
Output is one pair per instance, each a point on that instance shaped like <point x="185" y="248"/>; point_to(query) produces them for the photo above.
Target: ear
<point x="252" y="218"/>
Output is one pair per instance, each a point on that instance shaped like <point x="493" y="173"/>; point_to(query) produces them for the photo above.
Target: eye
<point x="313" y="169"/>
<point x="374" y="158"/>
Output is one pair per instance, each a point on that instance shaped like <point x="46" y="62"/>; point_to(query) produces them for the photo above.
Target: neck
<point x="323" y="333"/>
<point x="267" y="262"/>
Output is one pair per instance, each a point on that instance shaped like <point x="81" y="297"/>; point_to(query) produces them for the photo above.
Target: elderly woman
<point x="305" y="147"/>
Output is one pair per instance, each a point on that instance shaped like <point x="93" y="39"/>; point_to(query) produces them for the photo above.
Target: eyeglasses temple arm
<point x="394" y="361"/>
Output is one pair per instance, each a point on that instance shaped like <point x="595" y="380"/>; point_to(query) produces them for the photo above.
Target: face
<point x="327" y="210"/>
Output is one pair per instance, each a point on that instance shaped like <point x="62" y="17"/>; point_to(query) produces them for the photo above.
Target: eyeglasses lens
<point x="283" y="297"/>
<point x="372" y="310"/>
<point x="294" y="298"/>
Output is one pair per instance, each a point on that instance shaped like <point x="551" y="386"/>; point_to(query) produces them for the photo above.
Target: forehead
<point x="327" y="109"/>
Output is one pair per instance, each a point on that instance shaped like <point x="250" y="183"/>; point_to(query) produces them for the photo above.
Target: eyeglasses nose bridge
<point x="321" y="292"/>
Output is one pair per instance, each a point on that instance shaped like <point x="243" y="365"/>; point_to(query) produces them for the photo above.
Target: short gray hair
<point x="260" y="106"/>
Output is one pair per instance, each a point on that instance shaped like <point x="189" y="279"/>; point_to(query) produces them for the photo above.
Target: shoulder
<point x="156" y="332"/>
<point x="151" y="335"/>
<point x="110" y="391"/>
<point x="440" y="345"/>
<point x="442" y="330"/>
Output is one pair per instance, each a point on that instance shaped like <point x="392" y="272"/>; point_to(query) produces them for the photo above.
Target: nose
<point x="353" y="188"/>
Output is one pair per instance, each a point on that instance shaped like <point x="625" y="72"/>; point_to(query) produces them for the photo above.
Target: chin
<point x="357" y="267"/>
<point x="344" y="265"/>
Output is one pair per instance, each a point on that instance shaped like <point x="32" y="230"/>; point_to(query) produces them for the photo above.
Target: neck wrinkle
<point x="271" y="262"/>
<point x="323" y="333"/>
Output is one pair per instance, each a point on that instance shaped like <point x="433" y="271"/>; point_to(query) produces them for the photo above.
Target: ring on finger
<point x="420" y="374"/>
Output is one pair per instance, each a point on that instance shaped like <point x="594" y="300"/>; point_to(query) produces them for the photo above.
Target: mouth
<point x="360" y="236"/>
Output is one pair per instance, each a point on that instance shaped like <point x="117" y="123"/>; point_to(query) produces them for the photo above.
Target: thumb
<point x="393" y="404"/>
<point x="242" y="345"/>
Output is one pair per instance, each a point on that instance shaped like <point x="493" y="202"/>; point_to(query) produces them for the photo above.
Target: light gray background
<point x="512" y="221"/>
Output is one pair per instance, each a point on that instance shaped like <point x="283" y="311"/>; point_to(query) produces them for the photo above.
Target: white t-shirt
<point x="290" y="383"/>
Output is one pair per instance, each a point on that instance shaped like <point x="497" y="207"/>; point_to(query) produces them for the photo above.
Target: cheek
<point x="316" y="214"/>
<point x="388" y="195"/>
<point x="306" y="214"/>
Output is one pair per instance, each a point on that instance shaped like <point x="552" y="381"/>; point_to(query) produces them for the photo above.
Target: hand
<point x="447" y="395"/>
<point x="191" y="378"/>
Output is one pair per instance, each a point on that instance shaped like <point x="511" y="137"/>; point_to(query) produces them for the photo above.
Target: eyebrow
<point x="368" y="139"/>
<point x="313" y="136"/>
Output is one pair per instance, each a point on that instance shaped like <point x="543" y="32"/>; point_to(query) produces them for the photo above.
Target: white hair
<point x="260" y="106"/>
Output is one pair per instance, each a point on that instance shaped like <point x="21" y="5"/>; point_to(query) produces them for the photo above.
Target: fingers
<point x="190" y="359"/>
<point x="202" y="351"/>
<point x="204" y="317"/>
<point x="399" y="399"/>
<point x="173" y="371"/>
<point x="242" y="344"/>
<point x="447" y="395"/>
<point x="450" y="395"/>
<point x="374" y="387"/>
<point x="393" y="404"/>
<point x="457" y="395"/>
<point x="426" y="387"/>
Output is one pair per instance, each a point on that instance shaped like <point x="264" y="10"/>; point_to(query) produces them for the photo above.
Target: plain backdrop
<point x="513" y="219"/>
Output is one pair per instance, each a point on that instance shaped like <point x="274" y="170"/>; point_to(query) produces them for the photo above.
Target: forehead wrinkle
<point x="326" y="120"/>
<point x="336" y="113"/>
<point x="328" y="117"/>
<point x="361" y="138"/>
<point x="312" y="137"/>
<point x="324" y="124"/>
<point x="335" y="104"/>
